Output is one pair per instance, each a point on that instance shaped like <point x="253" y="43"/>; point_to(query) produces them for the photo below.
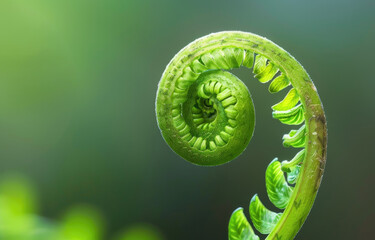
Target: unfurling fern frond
<point x="206" y="115"/>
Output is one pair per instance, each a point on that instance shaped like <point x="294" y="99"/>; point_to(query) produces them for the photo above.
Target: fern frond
<point x="206" y="115"/>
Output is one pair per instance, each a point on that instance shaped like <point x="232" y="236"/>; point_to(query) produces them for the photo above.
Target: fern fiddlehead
<point x="206" y="115"/>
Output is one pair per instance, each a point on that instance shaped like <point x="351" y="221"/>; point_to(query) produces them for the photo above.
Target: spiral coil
<point x="206" y="115"/>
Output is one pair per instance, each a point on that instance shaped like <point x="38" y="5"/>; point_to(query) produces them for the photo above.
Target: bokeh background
<point x="79" y="143"/>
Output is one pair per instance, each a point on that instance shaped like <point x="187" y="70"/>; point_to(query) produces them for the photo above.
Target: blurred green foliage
<point x="17" y="204"/>
<point x="82" y="223"/>
<point x="140" y="232"/>
<point x="19" y="219"/>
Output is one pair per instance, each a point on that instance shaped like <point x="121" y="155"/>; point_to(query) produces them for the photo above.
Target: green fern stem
<point x="206" y="116"/>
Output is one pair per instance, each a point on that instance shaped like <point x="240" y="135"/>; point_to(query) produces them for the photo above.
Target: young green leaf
<point x="292" y="167"/>
<point x="290" y="100"/>
<point x="248" y="59"/>
<point x="209" y="62"/>
<point x="268" y="73"/>
<point x="220" y="59"/>
<point x="297" y="159"/>
<point x="239" y="228"/>
<point x="198" y="66"/>
<point x="278" y="190"/>
<point x="294" y="116"/>
<point x="295" y="138"/>
<point x="234" y="57"/>
<point x="293" y="174"/>
<point x="264" y="220"/>
<point x="264" y="70"/>
<point x="279" y="83"/>
<point x="260" y="64"/>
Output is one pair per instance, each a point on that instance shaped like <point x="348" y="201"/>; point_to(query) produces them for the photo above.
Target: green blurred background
<point x="78" y="81"/>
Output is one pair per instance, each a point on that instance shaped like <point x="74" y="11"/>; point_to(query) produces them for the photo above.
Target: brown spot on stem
<point x="297" y="204"/>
